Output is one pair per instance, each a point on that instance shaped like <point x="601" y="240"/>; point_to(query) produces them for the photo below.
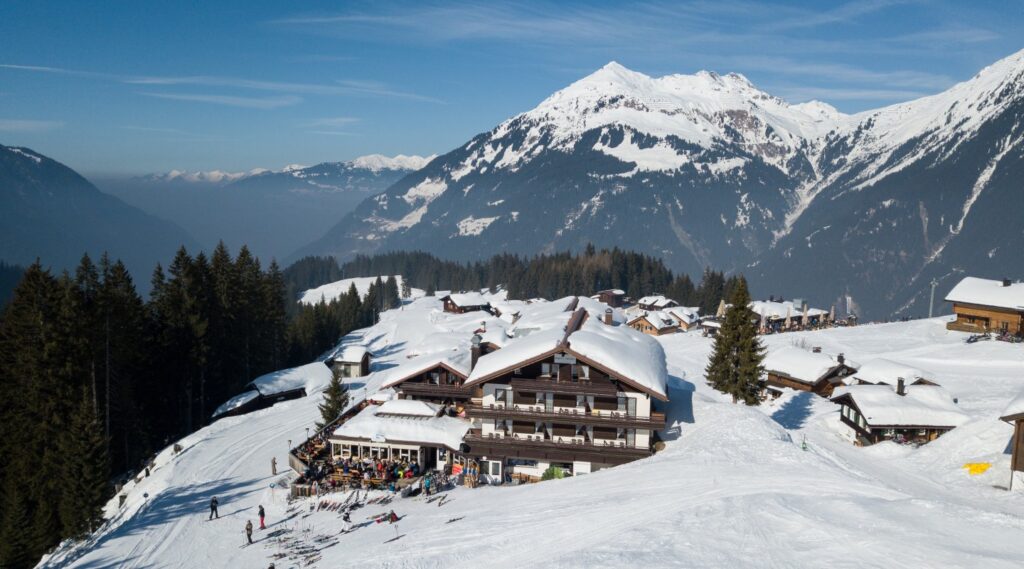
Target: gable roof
<point x="404" y="421"/>
<point x="987" y="292"/>
<point x="882" y="370"/>
<point x="660" y="320"/>
<point x="633" y="358"/>
<point x="350" y="354"/>
<point x="688" y="314"/>
<point x="468" y="299"/>
<point x="456" y="361"/>
<point x="922" y="406"/>
<point x="800" y="364"/>
<point x="657" y="301"/>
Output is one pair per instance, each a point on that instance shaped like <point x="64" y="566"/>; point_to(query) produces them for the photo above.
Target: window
<point x="545" y="368"/>
<point x="435" y="377"/>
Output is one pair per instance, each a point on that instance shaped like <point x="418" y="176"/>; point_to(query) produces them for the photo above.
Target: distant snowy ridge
<point x="378" y="162"/>
<point x="374" y="163"/>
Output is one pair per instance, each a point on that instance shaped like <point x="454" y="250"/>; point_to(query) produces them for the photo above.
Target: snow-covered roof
<point x="630" y="356"/>
<point x="987" y="292"/>
<point x="310" y="376"/>
<point x="711" y="323"/>
<point x="615" y="291"/>
<point x="881" y="370"/>
<point x="687" y="314"/>
<point x="800" y="364"/>
<point x="382" y="395"/>
<point x="350" y="354"/>
<point x="469" y="299"/>
<point x="518" y="351"/>
<point x="236" y="402"/>
<point x="544" y="315"/>
<point x="404" y="421"/>
<point x="660" y="320"/>
<point x="657" y="301"/>
<point x="597" y="309"/>
<point x="922" y="406"/>
<point x="1015" y="408"/>
<point x="773" y="310"/>
<point x="457" y="360"/>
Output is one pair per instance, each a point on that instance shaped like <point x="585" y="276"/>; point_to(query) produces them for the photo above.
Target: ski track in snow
<point x="732" y="488"/>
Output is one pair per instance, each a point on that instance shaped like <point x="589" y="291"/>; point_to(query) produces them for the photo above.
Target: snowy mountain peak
<point x="378" y="162"/>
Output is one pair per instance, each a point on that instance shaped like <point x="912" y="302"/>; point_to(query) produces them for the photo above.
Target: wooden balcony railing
<point x="578" y="387"/>
<point x="615" y="419"/>
<point x="541" y="442"/>
<point x="436" y="390"/>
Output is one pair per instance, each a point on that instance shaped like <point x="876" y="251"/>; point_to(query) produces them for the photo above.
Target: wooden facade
<point x="978" y="318"/>
<point x="644" y="324"/>
<point x="343" y="369"/>
<point x="868" y="434"/>
<point x="1017" y="443"/>
<point x="823" y="386"/>
<point x="451" y="306"/>
<point x="614" y="298"/>
<point x="439" y="384"/>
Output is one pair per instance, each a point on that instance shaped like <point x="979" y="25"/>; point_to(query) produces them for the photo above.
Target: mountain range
<point x="48" y="211"/>
<point x="707" y="169"/>
<point x="273" y="212"/>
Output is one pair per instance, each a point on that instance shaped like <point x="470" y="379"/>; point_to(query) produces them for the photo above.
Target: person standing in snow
<point x="213" y="508"/>
<point x="348" y="522"/>
<point x="262" y="515"/>
<point x="248" y="530"/>
<point x="273" y="466"/>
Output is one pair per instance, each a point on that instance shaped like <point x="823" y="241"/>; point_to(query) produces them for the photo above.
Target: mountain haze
<point x="49" y="211"/>
<point x="707" y="169"/>
<point x="273" y="212"/>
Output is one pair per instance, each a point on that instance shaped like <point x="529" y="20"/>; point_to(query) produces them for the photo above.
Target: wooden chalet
<point x="613" y="297"/>
<point x="654" y="323"/>
<point x="437" y="378"/>
<point x="460" y="303"/>
<point x="914" y="414"/>
<point x="1014" y="414"/>
<point x="687" y="318"/>
<point x="656" y="302"/>
<point x="578" y="398"/>
<point x="984" y="305"/>
<point x="351" y="361"/>
<point x="805" y="370"/>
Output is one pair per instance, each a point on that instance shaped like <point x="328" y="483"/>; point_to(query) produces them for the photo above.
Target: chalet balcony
<point x="574" y="416"/>
<point x="439" y="391"/>
<point x="541" y="443"/>
<point x="570" y="387"/>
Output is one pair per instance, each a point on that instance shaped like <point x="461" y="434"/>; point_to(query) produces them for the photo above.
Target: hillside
<point x="708" y="169"/>
<point x="273" y="212"/>
<point x="48" y="211"/>
<point x="732" y="488"/>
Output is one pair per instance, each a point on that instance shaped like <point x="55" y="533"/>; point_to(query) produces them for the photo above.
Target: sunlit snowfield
<point x="733" y="487"/>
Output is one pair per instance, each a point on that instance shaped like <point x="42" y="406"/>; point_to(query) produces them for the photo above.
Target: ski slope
<point x="332" y="291"/>
<point x="732" y="488"/>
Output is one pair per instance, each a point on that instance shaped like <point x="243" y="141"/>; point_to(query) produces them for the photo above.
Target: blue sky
<point x="135" y="87"/>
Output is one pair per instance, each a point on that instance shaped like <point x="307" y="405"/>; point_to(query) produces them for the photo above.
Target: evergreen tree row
<point x="547" y="276"/>
<point x="93" y="380"/>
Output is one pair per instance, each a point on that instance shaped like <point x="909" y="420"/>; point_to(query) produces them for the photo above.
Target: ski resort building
<point x="805" y="370"/>
<point x="984" y="305"/>
<point x="401" y="430"/>
<point x="460" y="303"/>
<point x="655" y="323"/>
<point x="687" y="318"/>
<point x="902" y="413"/>
<point x="780" y="315"/>
<point x="351" y="361"/>
<point x="578" y="398"/>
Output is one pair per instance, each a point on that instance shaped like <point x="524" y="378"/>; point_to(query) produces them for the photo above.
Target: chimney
<point x="841" y="359"/>
<point x="608" y="316"/>
<point x="474" y="351"/>
<point x="1006" y="282"/>
<point x="901" y="387"/>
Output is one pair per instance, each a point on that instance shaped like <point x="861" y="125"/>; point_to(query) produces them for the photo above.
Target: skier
<point x="273" y="466"/>
<point x="248" y="530"/>
<point x="213" y="508"/>
<point x="392" y="517"/>
<point x="348" y="522"/>
<point x="262" y="515"/>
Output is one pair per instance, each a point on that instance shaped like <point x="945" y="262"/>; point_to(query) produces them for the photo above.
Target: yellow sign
<point x="976" y="468"/>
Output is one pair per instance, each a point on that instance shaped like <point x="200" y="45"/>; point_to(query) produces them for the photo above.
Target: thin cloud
<point x="844" y="73"/>
<point x="340" y="88"/>
<point x="28" y="126"/>
<point x="331" y="122"/>
<point x="845" y="94"/>
<point x="265" y="103"/>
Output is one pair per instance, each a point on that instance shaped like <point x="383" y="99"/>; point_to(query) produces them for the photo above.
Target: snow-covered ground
<point x="331" y="291"/>
<point x="732" y="488"/>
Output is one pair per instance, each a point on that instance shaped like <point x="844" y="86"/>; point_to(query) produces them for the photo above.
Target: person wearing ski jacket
<point x="213" y="508"/>
<point x="248" y="530"/>
<point x="262" y="515"/>
<point x="348" y="522"/>
<point x="392" y="517"/>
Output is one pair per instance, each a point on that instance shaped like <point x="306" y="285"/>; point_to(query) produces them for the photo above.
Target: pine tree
<point x="735" y="363"/>
<point x="335" y="401"/>
<point x="15" y="550"/>
<point x="85" y="471"/>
